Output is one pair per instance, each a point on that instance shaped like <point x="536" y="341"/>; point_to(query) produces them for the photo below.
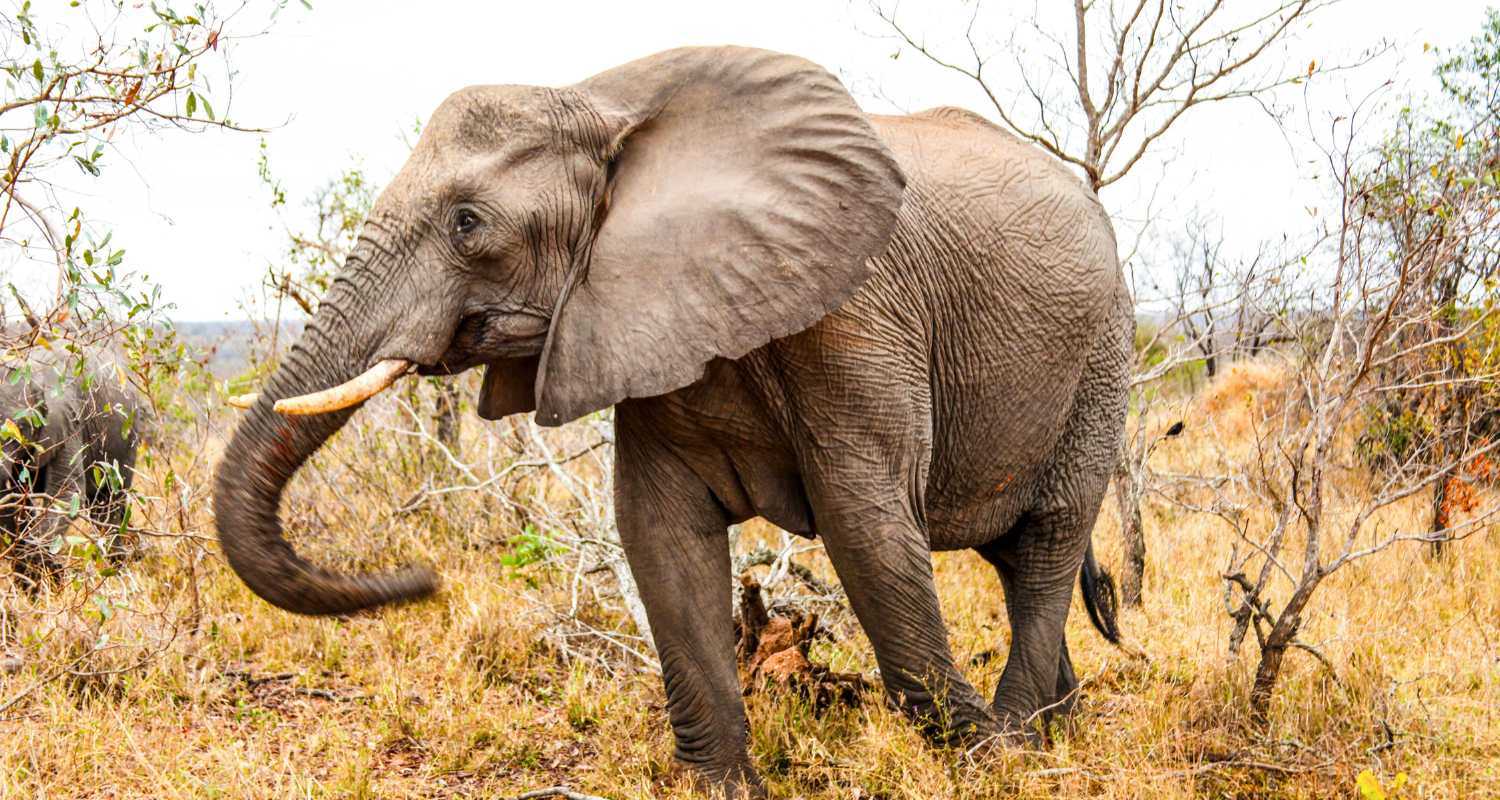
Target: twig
<point x="556" y="791"/>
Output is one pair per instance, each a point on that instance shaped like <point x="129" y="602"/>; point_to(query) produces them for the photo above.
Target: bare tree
<point x="1128" y="69"/>
<point x="1358" y="317"/>
<point x="1205" y="319"/>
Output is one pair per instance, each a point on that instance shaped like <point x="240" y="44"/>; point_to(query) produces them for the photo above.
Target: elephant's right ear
<point x="746" y="193"/>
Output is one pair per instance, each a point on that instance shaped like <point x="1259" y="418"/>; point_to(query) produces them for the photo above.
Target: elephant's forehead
<point x="490" y="118"/>
<point x="477" y="129"/>
<point x="473" y="134"/>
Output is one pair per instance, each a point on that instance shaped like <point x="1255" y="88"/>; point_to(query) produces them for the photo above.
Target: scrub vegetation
<point x="1304" y="515"/>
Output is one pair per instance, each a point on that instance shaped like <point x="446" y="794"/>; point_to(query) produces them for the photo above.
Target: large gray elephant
<point x="71" y="446"/>
<point x="901" y="334"/>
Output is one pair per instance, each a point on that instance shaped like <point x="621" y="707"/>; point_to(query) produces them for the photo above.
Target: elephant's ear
<point x="746" y="194"/>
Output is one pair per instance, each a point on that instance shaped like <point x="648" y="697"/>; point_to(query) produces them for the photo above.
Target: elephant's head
<point x="585" y="245"/>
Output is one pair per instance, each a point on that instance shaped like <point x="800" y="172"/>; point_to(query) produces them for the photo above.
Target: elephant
<point x="901" y="334"/>
<point x="73" y="438"/>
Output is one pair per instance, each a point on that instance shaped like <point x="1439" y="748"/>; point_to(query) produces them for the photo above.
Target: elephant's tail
<point x="1099" y="596"/>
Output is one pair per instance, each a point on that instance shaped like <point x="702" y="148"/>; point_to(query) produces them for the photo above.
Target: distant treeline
<point x="227" y="343"/>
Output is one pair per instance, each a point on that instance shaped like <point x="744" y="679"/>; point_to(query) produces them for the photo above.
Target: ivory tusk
<point x="362" y="388"/>
<point x="243" y="401"/>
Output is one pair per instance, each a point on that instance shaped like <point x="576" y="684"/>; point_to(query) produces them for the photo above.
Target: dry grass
<point x="208" y="692"/>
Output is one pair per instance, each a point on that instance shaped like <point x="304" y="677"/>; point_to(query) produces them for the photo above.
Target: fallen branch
<point x="765" y="557"/>
<point x="556" y="791"/>
<point x="775" y="651"/>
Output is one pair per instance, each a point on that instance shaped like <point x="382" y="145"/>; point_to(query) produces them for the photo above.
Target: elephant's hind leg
<point x="886" y="571"/>
<point x="1037" y="562"/>
<point x="1040" y="557"/>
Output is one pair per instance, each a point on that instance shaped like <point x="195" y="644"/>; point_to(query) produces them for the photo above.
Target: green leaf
<point x="192" y="103"/>
<point x="36" y="70"/>
<point x="209" y="110"/>
<point x="10" y="430"/>
<point x="87" y="166"/>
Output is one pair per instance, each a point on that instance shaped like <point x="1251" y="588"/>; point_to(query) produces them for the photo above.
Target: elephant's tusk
<point x="373" y="381"/>
<point x="243" y="401"/>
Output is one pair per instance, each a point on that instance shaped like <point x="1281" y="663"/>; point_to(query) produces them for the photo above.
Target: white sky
<point x="343" y="81"/>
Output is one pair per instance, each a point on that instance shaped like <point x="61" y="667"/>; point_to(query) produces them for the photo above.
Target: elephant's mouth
<point x="489" y="335"/>
<point x="484" y="337"/>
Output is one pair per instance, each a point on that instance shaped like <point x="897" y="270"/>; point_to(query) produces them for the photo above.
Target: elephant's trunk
<point x="268" y="448"/>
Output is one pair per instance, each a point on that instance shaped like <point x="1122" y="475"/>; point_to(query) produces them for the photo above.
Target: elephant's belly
<point x="981" y="516"/>
<point x="993" y="447"/>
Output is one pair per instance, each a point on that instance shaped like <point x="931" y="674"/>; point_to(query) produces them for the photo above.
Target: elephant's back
<point x="1012" y="263"/>
<point x="1017" y="213"/>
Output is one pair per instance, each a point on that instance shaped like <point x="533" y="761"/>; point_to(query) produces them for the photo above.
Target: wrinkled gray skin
<point x="68" y="425"/>
<point x="902" y="334"/>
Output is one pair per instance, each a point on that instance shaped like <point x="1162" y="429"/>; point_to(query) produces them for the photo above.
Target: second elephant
<point x="69" y="452"/>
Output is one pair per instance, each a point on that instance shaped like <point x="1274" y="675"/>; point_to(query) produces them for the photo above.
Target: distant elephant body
<point x="899" y="334"/>
<point x="77" y="444"/>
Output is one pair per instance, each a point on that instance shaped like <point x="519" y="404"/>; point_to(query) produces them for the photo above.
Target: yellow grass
<point x="210" y="692"/>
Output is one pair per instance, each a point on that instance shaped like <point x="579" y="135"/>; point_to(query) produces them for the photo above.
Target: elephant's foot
<point x="738" y="781"/>
<point x="1020" y="727"/>
<point x="1026" y="722"/>
<point x="959" y="720"/>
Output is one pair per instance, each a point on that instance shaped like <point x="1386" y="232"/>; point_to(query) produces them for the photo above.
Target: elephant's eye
<point x="464" y="222"/>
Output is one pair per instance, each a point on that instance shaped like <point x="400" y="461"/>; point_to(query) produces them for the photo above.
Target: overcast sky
<point x="339" y="85"/>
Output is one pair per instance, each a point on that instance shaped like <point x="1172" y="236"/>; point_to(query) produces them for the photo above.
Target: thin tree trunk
<point x="1132" y="534"/>
<point x="1452" y="428"/>
<point x="1440" y="511"/>
<point x="1273" y="651"/>
<point x="445" y="415"/>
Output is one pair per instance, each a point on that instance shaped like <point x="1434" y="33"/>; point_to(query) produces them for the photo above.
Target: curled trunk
<point x="268" y="448"/>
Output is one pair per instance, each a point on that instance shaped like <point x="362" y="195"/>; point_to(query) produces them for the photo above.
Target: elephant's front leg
<point x="675" y="538"/>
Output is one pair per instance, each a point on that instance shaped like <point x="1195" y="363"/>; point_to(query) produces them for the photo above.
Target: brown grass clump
<point x="170" y="680"/>
<point x="1243" y="395"/>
